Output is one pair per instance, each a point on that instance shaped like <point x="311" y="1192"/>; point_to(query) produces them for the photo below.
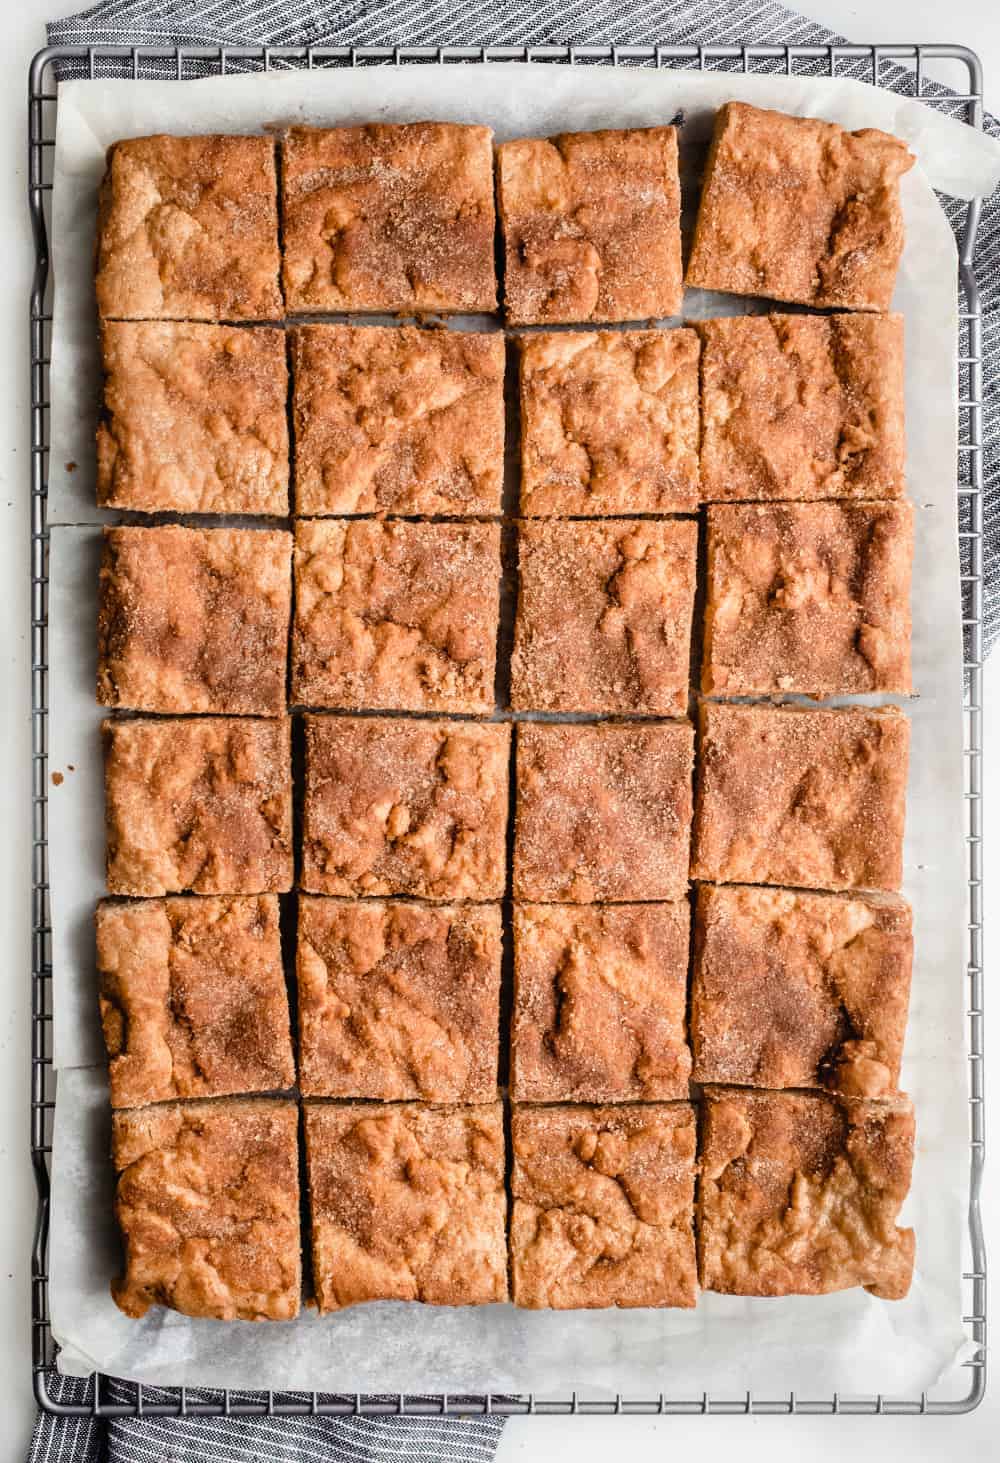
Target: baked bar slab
<point x="799" y="1193"/>
<point x="194" y="619"/>
<point x="194" y="419"/>
<point x="603" y="812"/>
<point x="193" y="1000"/>
<point x="810" y="597"/>
<point x="398" y="420"/>
<point x="809" y="798"/>
<point x="800" y="990"/>
<point x="603" y="1200"/>
<point x="202" y="804"/>
<point x="208" y="1206"/>
<point x="399" y="1001"/>
<point x="407" y="1203"/>
<point x="396" y="615"/>
<point x="591" y="226"/>
<point x="599" y="1003"/>
<point x="188" y="230"/>
<point x="396" y="806"/>
<point x="392" y="218"/>
<point x="793" y="208"/>
<point x="609" y="423"/>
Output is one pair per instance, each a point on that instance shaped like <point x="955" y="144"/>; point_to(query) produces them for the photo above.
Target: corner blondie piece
<point x="599" y="1003"/>
<point x="396" y="615"/>
<point x="609" y="423"/>
<point x="407" y="1203"/>
<point x="799" y="1193"/>
<point x="208" y="1206"/>
<point x="813" y="799"/>
<point x="201" y="804"/>
<point x="603" y="1206"/>
<point x="188" y="230"/>
<point x="812" y="597"/>
<point x="193" y="1000"/>
<point x="603" y="812"/>
<point x="797" y="209"/>
<point x="591" y="226"/>
<point x="399" y="1001"/>
<point x="391" y="218"/>
<point x="802" y="407"/>
<point x="397" y="420"/>
<point x="604" y="616"/>
<point x="194" y="619"/>
<point x="800" y="990"/>
<point x="395" y="806"/>
<point x="194" y="419"/>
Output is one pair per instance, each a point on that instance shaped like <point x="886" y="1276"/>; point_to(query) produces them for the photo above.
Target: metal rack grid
<point x="896" y="67"/>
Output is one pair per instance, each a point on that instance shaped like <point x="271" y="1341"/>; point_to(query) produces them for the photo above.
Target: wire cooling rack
<point x="900" y="68"/>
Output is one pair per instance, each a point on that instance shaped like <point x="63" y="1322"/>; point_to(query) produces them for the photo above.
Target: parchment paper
<point x="849" y="1342"/>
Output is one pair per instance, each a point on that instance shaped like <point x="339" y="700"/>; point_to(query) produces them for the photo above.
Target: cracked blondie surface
<point x="407" y="1203"/>
<point x="193" y="1001"/>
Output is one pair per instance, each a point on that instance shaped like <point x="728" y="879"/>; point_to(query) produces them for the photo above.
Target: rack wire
<point x="900" y="68"/>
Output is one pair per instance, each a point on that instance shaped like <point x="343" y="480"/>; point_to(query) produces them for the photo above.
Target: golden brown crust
<point x="609" y="422"/>
<point x="396" y="615"/>
<point x="202" y="804"/>
<point x="398" y="1001"/>
<point x="809" y="597"/>
<point x="603" y="1200"/>
<point x="794" y="208"/>
<point x="800" y="990"/>
<point x="194" y="619"/>
<point x="603" y="812"/>
<point x="813" y="798"/>
<point x="388" y="218"/>
<point x="398" y="420"/>
<point x="208" y="1206"/>
<point x="799" y="1193"/>
<point x="192" y="996"/>
<point x="599" y="1003"/>
<point x="802" y="407"/>
<point x="188" y="230"/>
<point x="405" y="807"/>
<point x="194" y="419"/>
<point x="591" y="225"/>
<point x="604" y="616"/>
<point x="407" y="1203"/>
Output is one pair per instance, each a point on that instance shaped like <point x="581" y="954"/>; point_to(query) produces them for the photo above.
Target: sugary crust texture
<point x="609" y="423"/>
<point x="405" y="807"/>
<point x="802" y="407"/>
<point x="399" y="1001"/>
<point x="391" y="218"/>
<point x="407" y="1203"/>
<point x="813" y="598"/>
<point x="799" y="1193"/>
<point x="208" y="1206"/>
<point x="591" y="225"/>
<point x="800" y="990"/>
<point x="192" y="996"/>
<point x="603" y="812"/>
<point x="194" y="419"/>
<point x="797" y="209"/>
<point x="201" y="804"/>
<point x="603" y="1200"/>
<point x="398" y="420"/>
<point x="604" y="616"/>
<point x="810" y="798"/>
<point x="188" y="230"/>
<point x="194" y="619"/>
<point x="599" y="1003"/>
<point x="396" y="615"/>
